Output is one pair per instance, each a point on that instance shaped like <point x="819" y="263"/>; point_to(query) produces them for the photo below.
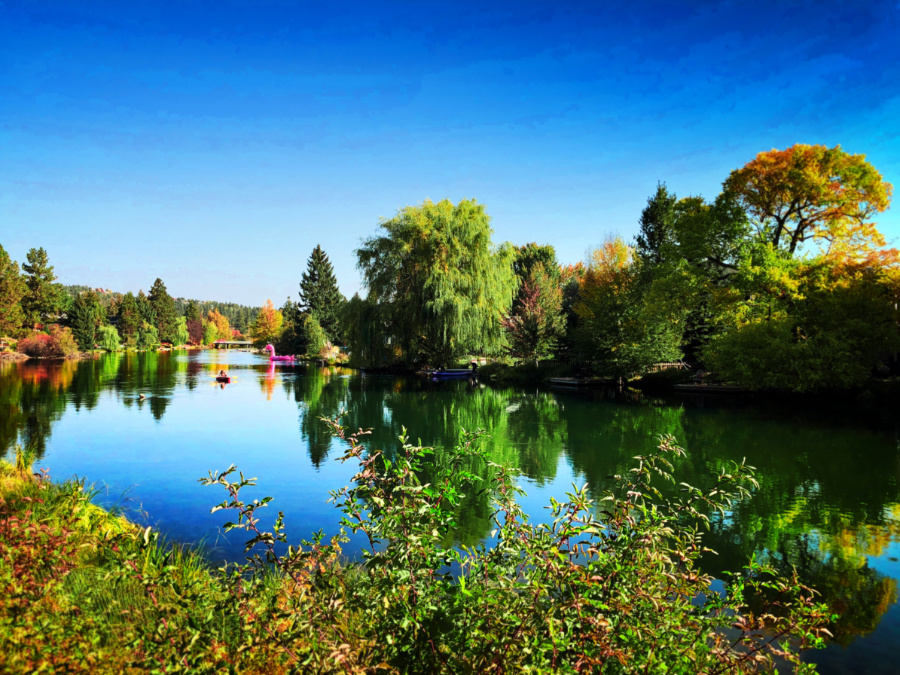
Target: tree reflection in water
<point x="827" y="502"/>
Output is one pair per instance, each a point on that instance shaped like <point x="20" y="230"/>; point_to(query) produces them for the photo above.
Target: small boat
<point x="220" y="378"/>
<point x="459" y="373"/>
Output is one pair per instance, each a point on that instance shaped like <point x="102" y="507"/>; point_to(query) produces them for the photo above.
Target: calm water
<point x="828" y="501"/>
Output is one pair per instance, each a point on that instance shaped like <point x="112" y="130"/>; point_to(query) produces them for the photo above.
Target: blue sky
<point x="214" y="145"/>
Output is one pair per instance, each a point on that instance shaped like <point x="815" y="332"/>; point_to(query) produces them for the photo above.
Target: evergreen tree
<point x="128" y="318"/>
<point x="290" y="341"/>
<point x="164" y="307"/>
<point x="319" y="293"/>
<point x="192" y="311"/>
<point x="146" y="312"/>
<point x="83" y="319"/>
<point x="44" y="297"/>
<point x="656" y="226"/>
<point x="12" y="289"/>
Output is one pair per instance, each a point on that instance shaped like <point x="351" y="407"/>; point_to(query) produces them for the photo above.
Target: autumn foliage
<point x="267" y="326"/>
<point x="59" y="343"/>
<point x="810" y="192"/>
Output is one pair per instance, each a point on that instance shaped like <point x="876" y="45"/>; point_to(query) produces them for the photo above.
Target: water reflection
<point x="827" y="504"/>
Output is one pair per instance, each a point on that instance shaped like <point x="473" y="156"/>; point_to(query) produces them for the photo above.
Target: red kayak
<point x="223" y="379"/>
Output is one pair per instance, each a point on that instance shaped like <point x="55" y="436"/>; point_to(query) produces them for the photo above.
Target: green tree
<point x="12" y="289"/>
<point x="182" y="334"/>
<point x="804" y="325"/>
<point x="164" y="310"/>
<point x="620" y="331"/>
<point x="84" y="319"/>
<point x="210" y="334"/>
<point x="43" y="299"/>
<point x="128" y="319"/>
<point x="145" y="309"/>
<point x="530" y="255"/>
<point x="147" y="336"/>
<point x="704" y="245"/>
<point x="313" y="336"/>
<point x="192" y="311"/>
<point x="364" y="328"/>
<point x="320" y="295"/>
<point x="537" y="321"/>
<point x="109" y="338"/>
<point x="656" y="225"/>
<point x="440" y="284"/>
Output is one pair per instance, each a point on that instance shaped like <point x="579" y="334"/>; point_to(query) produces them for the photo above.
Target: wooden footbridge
<point x="228" y="344"/>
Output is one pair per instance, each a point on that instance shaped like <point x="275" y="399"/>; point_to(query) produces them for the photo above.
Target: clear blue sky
<point x="214" y="145"/>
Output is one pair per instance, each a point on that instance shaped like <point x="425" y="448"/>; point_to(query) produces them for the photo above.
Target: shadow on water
<point x="827" y="505"/>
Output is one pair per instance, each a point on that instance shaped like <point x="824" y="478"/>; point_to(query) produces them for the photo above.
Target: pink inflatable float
<point x="272" y="357"/>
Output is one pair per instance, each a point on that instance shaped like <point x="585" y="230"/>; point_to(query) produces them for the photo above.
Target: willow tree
<point x="441" y="285"/>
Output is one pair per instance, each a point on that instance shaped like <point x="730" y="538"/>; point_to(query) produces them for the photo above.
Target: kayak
<point x="223" y="379"/>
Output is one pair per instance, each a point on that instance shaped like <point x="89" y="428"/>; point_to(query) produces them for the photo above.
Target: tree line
<point x="57" y="320"/>
<point x="782" y="281"/>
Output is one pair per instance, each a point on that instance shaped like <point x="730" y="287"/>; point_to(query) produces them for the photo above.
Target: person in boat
<point x="222" y="373"/>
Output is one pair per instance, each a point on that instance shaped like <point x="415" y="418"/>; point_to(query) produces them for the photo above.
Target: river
<point x="828" y="501"/>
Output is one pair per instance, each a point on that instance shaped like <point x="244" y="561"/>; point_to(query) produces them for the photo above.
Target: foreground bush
<point x="607" y="587"/>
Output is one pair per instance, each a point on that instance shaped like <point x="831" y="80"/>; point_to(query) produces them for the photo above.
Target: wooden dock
<point x="576" y="381"/>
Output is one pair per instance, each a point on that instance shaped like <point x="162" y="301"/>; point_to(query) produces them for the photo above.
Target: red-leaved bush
<point x="59" y="343"/>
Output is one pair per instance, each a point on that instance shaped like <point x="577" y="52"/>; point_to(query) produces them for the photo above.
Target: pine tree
<point x="164" y="307"/>
<point x="146" y="313"/>
<point x="319" y="294"/>
<point x="12" y="288"/>
<point x="83" y="319"/>
<point x="656" y="225"/>
<point x="43" y="298"/>
<point x="192" y="311"/>
<point x="128" y="318"/>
